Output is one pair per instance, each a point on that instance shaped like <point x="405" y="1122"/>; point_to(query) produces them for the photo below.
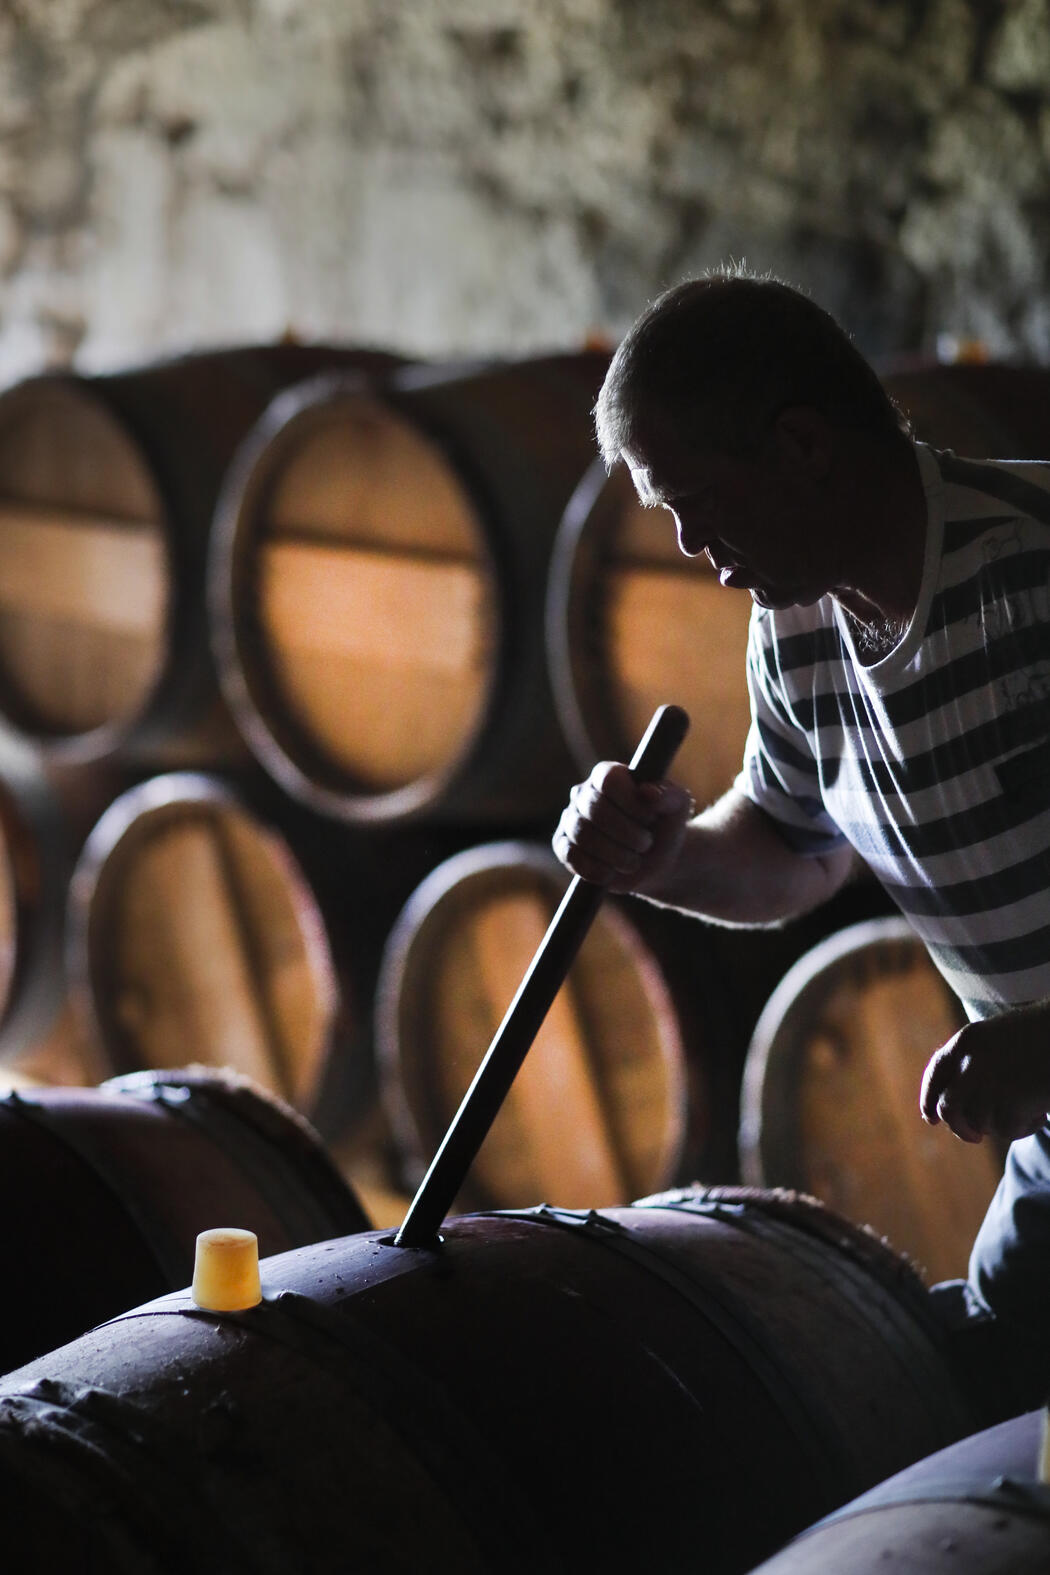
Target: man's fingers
<point x="613" y="783"/>
<point x="614" y="829"/>
<point x="599" y="815"/>
<point x="940" y="1069"/>
<point x="953" y="1094"/>
<point x="989" y="1080"/>
<point x="963" y="1122"/>
<point x="587" y="848"/>
<point x="607" y="866"/>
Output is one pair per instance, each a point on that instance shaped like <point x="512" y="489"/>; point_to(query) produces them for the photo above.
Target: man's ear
<point x="804" y="440"/>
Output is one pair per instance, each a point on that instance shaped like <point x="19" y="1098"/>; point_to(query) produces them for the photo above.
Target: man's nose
<point x="692" y="538"/>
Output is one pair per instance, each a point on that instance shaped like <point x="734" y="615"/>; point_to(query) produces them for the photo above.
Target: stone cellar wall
<point x="501" y="176"/>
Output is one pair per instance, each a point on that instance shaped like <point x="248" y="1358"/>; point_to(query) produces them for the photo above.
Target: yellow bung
<point x="226" y="1270"/>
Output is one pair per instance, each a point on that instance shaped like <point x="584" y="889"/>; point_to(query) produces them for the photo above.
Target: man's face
<point x="762" y="522"/>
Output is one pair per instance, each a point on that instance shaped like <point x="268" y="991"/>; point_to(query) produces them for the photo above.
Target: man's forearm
<point x="734" y="868"/>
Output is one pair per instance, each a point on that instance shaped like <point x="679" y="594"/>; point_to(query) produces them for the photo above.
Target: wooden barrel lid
<point x="194" y="936"/>
<point x="631" y="620"/>
<point x="84" y="573"/>
<point x="597" y="1113"/>
<point x="357" y="600"/>
<point x="377" y="579"/>
<point x="830" y="1097"/>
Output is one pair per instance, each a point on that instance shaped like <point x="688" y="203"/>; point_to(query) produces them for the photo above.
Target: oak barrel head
<point x="354" y="600"/>
<point x="194" y="934"/>
<point x="376" y="588"/>
<point x="600" y="1109"/>
<point x="830" y="1097"/>
<point x="630" y="620"/>
<point x="85" y="575"/>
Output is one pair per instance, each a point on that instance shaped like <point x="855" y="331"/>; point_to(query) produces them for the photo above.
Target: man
<point x="899" y="673"/>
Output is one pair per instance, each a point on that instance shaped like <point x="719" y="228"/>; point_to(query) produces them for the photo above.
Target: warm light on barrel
<point x="226" y="1270"/>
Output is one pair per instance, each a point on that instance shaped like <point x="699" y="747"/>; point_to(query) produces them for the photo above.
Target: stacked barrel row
<point x="300" y="651"/>
<point x="307" y="840"/>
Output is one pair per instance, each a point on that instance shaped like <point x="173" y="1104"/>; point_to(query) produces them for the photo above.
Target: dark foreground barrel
<point x="672" y="1386"/>
<point x="974" y="1508"/>
<point x="106" y="1188"/>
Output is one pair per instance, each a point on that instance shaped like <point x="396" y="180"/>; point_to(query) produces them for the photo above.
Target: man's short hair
<point x="717" y="358"/>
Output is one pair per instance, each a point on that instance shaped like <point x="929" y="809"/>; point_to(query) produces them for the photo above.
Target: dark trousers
<point x="1010" y="1261"/>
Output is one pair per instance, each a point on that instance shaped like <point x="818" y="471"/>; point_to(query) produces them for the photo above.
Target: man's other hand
<point x="992" y="1078"/>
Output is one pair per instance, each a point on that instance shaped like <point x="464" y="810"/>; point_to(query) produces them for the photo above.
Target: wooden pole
<point x="546" y="974"/>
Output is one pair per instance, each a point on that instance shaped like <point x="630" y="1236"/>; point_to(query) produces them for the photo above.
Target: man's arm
<point x="728" y="864"/>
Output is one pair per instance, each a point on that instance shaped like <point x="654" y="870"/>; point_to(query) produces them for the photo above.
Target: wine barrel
<point x="194" y="931"/>
<point x="46" y="811"/>
<point x="830" y="1097"/>
<point x="378" y="573"/>
<point x="106" y="1188"/>
<point x="610" y="1101"/>
<point x="107" y="487"/>
<point x="982" y="410"/>
<point x="978" y="1507"/>
<point x="630" y="620"/>
<point x="694" y="1377"/>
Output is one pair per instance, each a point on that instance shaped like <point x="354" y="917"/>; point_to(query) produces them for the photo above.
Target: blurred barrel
<point x="377" y="584"/>
<point x="46" y="811"/>
<point x="641" y="1388"/>
<point x="194" y="932"/>
<point x="106" y="1188"/>
<point x="977" y="1507"/>
<point x="982" y="410"/>
<point x="611" y="1100"/>
<point x="107" y="488"/>
<point x="830" y="1099"/>
<point x="631" y="622"/>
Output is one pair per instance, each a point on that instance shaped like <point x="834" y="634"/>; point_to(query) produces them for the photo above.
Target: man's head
<point x="745" y="411"/>
<point x="715" y="360"/>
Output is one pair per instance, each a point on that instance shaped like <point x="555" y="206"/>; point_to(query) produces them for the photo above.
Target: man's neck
<point x="889" y="540"/>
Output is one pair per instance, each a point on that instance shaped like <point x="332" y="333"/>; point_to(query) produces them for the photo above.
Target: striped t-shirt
<point x="934" y="762"/>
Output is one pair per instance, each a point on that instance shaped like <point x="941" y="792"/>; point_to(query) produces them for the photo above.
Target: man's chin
<point x="777" y="601"/>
